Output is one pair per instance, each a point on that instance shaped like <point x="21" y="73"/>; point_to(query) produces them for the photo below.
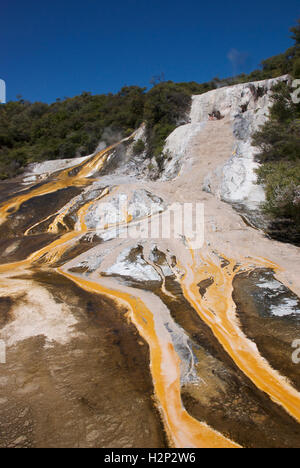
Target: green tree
<point x="278" y="142"/>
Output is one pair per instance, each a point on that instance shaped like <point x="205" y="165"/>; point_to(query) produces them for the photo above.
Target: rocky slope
<point x="122" y="329"/>
<point x="247" y="107"/>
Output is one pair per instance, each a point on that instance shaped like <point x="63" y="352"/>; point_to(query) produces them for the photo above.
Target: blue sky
<point x="52" y="49"/>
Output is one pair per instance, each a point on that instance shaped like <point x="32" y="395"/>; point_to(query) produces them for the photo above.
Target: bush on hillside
<point x="32" y="132"/>
<point x="139" y="147"/>
<point x="278" y="142"/>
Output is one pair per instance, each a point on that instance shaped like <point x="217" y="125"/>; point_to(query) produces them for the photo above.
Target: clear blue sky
<point x="58" y="48"/>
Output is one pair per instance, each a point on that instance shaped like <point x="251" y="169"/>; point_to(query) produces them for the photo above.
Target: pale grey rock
<point x="235" y="100"/>
<point x="247" y="106"/>
<point x="160" y="260"/>
<point x="115" y="211"/>
<point x="92" y="262"/>
<point x="177" y="146"/>
<point x="35" y="171"/>
<point x="131" y="264"/>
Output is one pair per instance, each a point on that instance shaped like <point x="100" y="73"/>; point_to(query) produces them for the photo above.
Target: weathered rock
<point x="247" y="107"/>
<point x="131" y="264"/>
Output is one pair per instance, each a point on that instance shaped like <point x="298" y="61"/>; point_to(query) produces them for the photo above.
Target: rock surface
<point x="120" y="334"/>
<point x="247" y="107"/>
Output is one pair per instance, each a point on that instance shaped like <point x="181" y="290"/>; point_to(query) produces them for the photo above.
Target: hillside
<point x="143" y="300"/>
<point x="149" y="333"/>
<point x="73" y="127"/>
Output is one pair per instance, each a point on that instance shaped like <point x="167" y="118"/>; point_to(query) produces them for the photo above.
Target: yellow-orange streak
<point x="27" y="232"/>
<point x="54" y="251"/>
<point x="16" y="202"/>
<point x="59" y="219"/>
<point x="183" y="430"/>
<point x="218" y="310"/>
<point x="81" y="224"/>
<point x="64" y="180"/>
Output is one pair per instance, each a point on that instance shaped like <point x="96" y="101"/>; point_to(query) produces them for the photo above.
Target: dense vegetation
<point x="68" y="128"/>
<point x="278" y="142"/>
<point x="31" y="132"/>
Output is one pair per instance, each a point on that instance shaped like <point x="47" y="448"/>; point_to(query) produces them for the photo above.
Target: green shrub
<point x="296" y="68"/>
<point x="32" y="132"/>
<point x="139" y="147"/>
<point x="279" y="154"/>
<point x="166" y="107"/>
<point x="282" y="181"/>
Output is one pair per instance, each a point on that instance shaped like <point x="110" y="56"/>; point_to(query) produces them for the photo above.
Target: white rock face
<point x="39" y="314"/>
<point x="177" y="145"/>
<point x="138" y="270"/>
<point x="247" y="107"/>
<point x="127" y="162"/>
<point x="233" y="100"/>
<point x="282" y="305"/>
<point x="132" y="265"/>
<point x="122" y="208"/>
<point x="238" y="178"/>
<point x="45" y="169"/>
